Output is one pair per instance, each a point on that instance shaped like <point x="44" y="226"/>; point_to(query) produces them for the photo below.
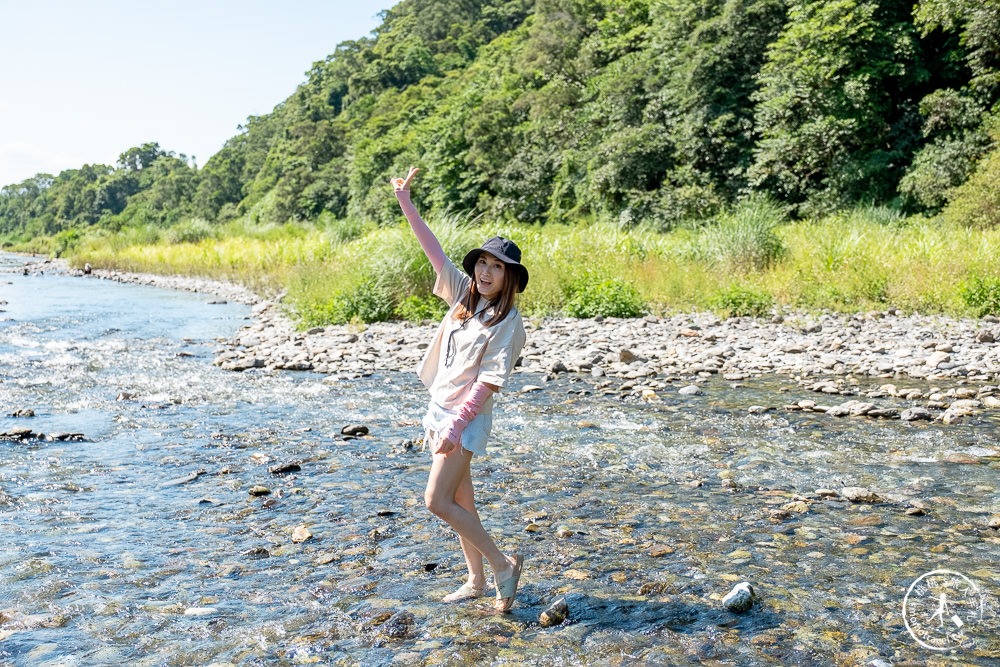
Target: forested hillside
<point x="637" y="111"/>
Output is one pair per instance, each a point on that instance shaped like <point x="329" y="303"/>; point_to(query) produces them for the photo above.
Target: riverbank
<point x="927" y="367"/>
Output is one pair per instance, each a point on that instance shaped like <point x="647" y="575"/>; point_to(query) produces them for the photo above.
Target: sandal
<point x="465" y="592"/>
<point x="507" y="589"/>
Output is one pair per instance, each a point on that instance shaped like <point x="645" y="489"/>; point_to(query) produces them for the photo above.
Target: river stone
<point x="259" y="490"/>
<point x="256" y="552"/>
<point x="282" y="468"/>
<point x="859" y="409"/>
<point x="740" y="599"/>
<point x="556" y="613"/>
<point x="398" y="626"/>
<point x="994" y="522"/>
<point x="301" y="534"/>
<point x="937" y="358"/>
<point x="985" y="336"/>
<point x="354" y="429"/>
<point x="859" y="494"/>
<point x="690" y="390"/>
<point x="952" y="416"/>
<point x="839" y="410"/>
<point x="798" y="507"/>
<point x="915" y="414"/>
<point x="991" y="401"/>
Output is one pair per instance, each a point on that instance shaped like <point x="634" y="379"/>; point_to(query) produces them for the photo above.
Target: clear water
<point x="108" y="558"/>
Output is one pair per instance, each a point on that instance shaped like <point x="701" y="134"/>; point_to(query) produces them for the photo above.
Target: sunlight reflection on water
<point x="643" y="514"/>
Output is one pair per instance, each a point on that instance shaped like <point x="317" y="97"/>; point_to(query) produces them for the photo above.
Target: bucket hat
<point x="503" y="249"/>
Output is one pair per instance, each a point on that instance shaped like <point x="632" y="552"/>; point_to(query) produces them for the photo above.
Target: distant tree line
<point x="645" y="111"/>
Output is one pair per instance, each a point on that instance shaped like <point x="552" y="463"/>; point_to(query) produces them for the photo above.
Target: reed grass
<point x="868" y="258"/>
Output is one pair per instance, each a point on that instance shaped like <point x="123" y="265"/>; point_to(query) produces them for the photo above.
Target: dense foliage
<point x="636" y="111"/>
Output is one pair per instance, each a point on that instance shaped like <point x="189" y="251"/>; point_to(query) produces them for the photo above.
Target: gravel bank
<point x="940" y="362"/>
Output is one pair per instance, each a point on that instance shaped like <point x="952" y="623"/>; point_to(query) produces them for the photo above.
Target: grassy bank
<point x="748" y="262"/>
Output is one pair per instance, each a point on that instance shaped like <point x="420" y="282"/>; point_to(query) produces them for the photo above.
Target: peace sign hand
<point x="404" y="184"/>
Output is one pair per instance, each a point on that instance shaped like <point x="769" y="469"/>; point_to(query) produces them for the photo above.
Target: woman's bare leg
<point x="448" y="472"/>
<point x="465" y="497"/>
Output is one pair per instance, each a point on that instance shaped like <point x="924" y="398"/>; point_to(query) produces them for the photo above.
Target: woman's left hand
<point x="444" y="447"/>
<point x="404" y="183"/>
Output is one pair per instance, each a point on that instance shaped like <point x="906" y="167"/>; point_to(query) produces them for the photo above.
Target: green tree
<point x="835" y="110"/>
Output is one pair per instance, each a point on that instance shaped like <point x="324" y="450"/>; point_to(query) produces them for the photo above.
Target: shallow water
<point x="643" y="514"/>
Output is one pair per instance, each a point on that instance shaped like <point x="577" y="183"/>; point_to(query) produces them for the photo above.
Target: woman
<point x="469" y="359"/>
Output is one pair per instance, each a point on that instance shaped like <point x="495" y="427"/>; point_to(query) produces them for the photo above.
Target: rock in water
<point x="859" y="494"/>
<point x="557" y="612"/>
<point x="354" y="429"/>
<point x="914" y="414"/>
<point x="740" y="599"/>
<point x="399" y="626"/>
<point x="282" y="468"/>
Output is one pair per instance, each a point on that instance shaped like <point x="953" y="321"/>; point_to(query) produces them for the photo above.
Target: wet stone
<point x="354" y="429"/>
<point x="556" y="613"/>
<point x="916" y="414"/>
<point x="282" y="468"/>
<point x="740" y="599"/>
<point x="259" y="490"/>
<point x="398" y="626"/>
<point x="858" y="494"/>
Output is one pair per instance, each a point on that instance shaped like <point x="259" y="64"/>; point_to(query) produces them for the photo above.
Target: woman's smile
<point x="490" y="273"/>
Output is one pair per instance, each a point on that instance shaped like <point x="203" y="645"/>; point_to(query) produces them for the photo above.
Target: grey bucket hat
<point x="506" y="251"/>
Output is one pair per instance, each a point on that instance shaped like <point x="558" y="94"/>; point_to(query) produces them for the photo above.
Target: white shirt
<point x="479" y="353"/>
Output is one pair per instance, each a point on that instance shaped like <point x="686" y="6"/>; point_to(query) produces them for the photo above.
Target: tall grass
<point x="745" y="261"/>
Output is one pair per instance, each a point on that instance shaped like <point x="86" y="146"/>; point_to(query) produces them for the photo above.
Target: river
<point x="142" y="540"/>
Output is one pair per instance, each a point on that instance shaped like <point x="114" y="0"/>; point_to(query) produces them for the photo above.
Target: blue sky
<point x="81" y="81"/>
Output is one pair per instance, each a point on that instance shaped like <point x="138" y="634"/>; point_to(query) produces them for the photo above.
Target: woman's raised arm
<point x="431" y="246"/>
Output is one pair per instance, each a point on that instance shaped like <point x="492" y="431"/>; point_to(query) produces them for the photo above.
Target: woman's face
<point x="490" y="273"/>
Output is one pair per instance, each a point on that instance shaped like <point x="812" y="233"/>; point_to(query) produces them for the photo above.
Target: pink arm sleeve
<point x="429" y="243"/>
<point x="467" y="412"/>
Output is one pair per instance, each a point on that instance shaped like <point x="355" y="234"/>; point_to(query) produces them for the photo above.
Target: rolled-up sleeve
<point x="502" y="351"/>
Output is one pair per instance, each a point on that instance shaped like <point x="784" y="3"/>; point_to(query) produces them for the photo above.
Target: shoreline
<point x="827" y="354"/>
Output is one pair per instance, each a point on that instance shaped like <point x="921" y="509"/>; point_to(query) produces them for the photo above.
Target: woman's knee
<point x="437" y="504"/>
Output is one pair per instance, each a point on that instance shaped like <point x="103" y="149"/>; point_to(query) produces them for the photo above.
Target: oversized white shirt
<point x="475" y="352"/>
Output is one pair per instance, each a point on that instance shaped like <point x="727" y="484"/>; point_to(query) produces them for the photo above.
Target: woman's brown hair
<point x="501" y="307"/>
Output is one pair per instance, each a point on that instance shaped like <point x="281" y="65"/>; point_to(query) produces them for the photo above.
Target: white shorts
<point x="474" y="437"/>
